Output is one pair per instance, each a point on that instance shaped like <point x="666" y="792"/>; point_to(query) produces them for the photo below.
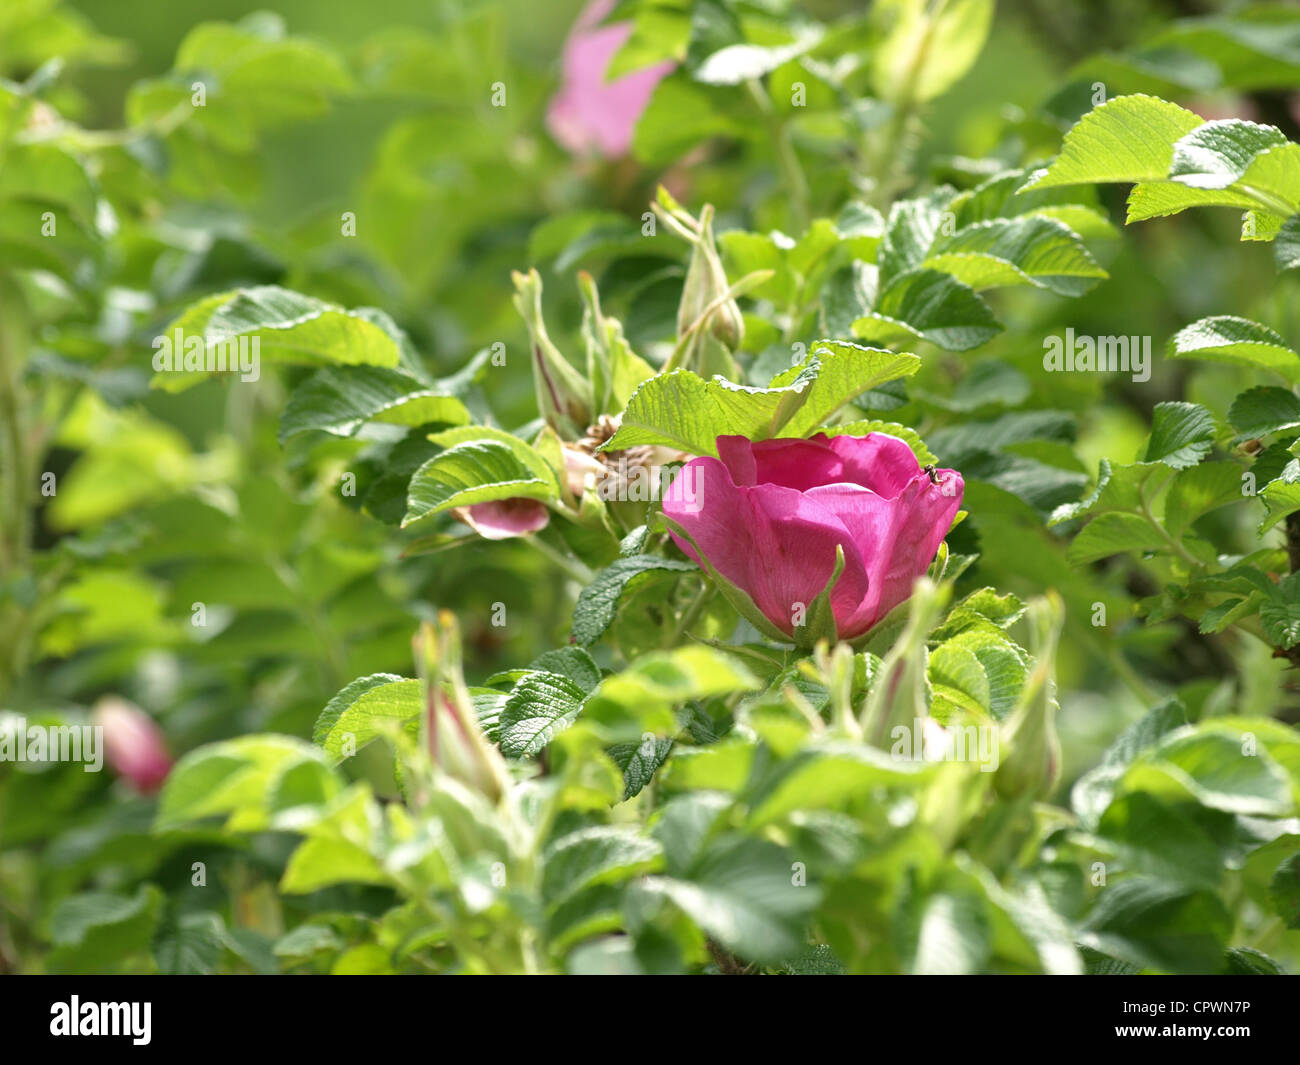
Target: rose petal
<point x="590" y="115"/>
<point x="791" y="463"/>
<point x="897" y="537"/>
<point x="878" y="461"/>
<point x="505" y="518"/>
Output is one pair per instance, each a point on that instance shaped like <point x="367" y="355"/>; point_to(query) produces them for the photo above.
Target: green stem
<point x="692" y="613"/>
<point x="792" y="175"/>
<point x="575" y="569"/>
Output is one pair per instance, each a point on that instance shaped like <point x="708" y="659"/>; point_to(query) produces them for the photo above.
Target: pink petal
<point x="791" y="463"/>
<point x="133" y="744"/>
<point x="505" y="518"/>
<point x="775" y="543"/>
<point x="589" y="115"/>
<point x="897" y="537"/>
<point x="877" y="461"/>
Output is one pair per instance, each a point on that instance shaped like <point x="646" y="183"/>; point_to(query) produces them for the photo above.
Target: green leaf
<point x="1238" y="342"/>
<point x="341" y="401"/>
<point x="47" y="175"/>
<point x="1113" y="534"/>
<point x="1119" y="488"/>
<point x="541" y="705"/>
<point x="1246" y="961"/>
<point x="366" y="708"/>
<point x="1199" y="490"/>
<point x="844" y="372"/>
<point x="337" y="847"/>
<point x="1155" y="924"/>
<point x="190" y="944"/>
<point x="1127" y="139"/>
<point x="740" y="62"/>
<point x="96" y="932"/>
<point x="980" y="671"/>
<point x="944" y="932"/>
<point x="598" y="603"/>
<point x="928" y="49"/>
<point x="1215" y="769"/>
<point x="830" y="776"/>
<point x="933" y="306"/>
<point x="600" y="854"/>
<point x="741" y="893"/>
<point x="1260" y="411"/>
<point x="1092" y="792"/>
<point x="288" y="327"/>
<point x="1284" y="891"/>
<point x="1281" y="496"/>
<point x="1181" y="434"/>
<point x="479" y="465"/>
<point x="639" y="762"/>
<point x="1162" y="840"/>
<point x="1030" y="250"/>
<point x="680" y="409"/>
<point x="235" y="777"/>
<point x="1286" y="247"/>
<point x="641" y="697"/>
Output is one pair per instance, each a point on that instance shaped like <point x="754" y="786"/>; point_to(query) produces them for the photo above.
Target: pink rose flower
<point x="590" y="116"/>
<point x="133" y="744"/>
<point x="503" y="519"/>
<point x="768" y="517"/>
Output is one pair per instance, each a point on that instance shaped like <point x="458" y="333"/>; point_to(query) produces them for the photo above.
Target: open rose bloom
<point x="589" y="115"/>
<point x="769" y="516"/>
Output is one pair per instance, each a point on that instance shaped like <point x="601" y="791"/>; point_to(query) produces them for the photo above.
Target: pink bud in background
<point x="504" y="519"/>
<point x="590" y="116"/>
<point x="768" y="517"/>
<point x="133" y="743"/>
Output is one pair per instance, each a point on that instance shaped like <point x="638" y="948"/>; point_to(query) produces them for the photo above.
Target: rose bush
<point x="833" y="542"/>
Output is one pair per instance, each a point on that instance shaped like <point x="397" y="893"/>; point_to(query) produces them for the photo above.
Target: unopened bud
<point x="455" y="740"/>
<point x="133" y="743"/>
<point x="563" y="397"/>
<point x="1032" y="764"/>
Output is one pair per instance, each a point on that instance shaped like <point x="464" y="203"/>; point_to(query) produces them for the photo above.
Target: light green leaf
<point x="1238" y="342"/>
<point x="844" y="372"/>
<point x="682" y="410"/>
<point x="1127" y="139"/>
<point x="341" y="401"/>
<point x="1260" y="411"/>
<point x="1181" y="434"/>
<point x="600" y="854"/>
<point x="366" y="708"/>
<point x="1030" y="250"/>
<point x="480" y="465"/>
<point x="288" y="327"/>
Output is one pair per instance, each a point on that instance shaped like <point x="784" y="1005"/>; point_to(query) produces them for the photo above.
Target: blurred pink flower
<point x="768" y="517"/>
<point x="505" y="518"/>
<point x="590" y="116"/>
<point x="133" y="743"/>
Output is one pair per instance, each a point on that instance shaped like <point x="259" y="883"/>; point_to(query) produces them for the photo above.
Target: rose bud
<point x="1031" y="765"/>
<point x="780" y="522"/>
<point x="455" y="739"/>
<point x="133" y="743"/>
<point x="563" y="396"/>
<point x="589" y="115"/>
<point x="503" y="519"/>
